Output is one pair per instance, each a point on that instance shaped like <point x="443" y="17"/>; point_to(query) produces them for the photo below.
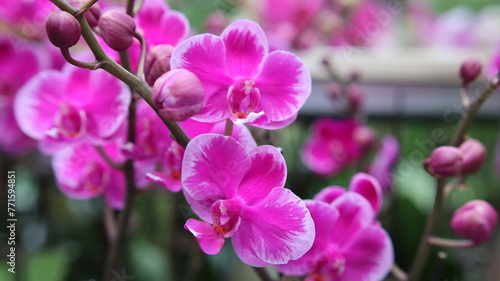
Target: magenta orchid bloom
<point x="15" y="54"/>
<point x="243" y="81"/>
<point x="349" y="244"/>
<point x="69" y="106"/>
<point x="361" y="183"/>
<point x="335" y="144"/>
<point x="81" y="173"/>
<point x="239" y="194"/>
<point x="385" y="161"/>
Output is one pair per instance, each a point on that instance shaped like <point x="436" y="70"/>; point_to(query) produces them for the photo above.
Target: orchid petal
<point x="275" y="231"/>
<point x="369" y="187"/>
<point x="209" y="240"/>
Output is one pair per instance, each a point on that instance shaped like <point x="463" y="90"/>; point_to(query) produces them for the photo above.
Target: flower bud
<point x="63" y="29"/>
<point x="474" y="153"/>
<point x="178" y="94"/>
<point x="92" y="15"/>
<point x="157" y="62"/>
<point x="365" y="137"/>
<point x="215" y="23"/>
<point x="470" y="70"/>
<point x="445" y="161"/>
<point x="476" y="220"/>
<point x="117" y="29"/>
<point x="333" y="90"/>
<point x="354" y="96"/>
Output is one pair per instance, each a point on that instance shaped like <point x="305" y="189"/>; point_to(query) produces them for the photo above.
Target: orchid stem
<point x="263" y="274"/>
<point x="228" y="130"/>
<point x="88" y="65"/>
<point x="140" y="67"/>
<point x="110" y="223"/>
<point x="433" y="219"/>
<point x="398" y="273"/>
<point x="108" y="160"/>
<point x="81" y="10"/>
<point x="449" y="243"/>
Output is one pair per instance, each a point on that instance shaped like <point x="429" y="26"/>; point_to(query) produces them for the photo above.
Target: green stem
<point x="81" y="10"/>
<point x="88" y="65"/>
<point x="263" y="274"/>
<point x="424" y="248"/>
<point x="449" y="243"/>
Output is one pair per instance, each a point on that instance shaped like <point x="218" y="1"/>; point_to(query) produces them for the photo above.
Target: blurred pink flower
<point x="243" y="81"/>
<point x="361" y="183"/>
<point x="65" y="107"/>
<point x="239" y="193"/>
<point x="385" y="161"/>
<point x="349" y="244"/>
<point x="287" y="26"/>
<point x="15" y="55"/>
<point x="335" y="144"/>
<point x="81" y="173"/>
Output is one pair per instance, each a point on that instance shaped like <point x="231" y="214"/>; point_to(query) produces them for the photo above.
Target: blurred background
<point x="403" y="55"/>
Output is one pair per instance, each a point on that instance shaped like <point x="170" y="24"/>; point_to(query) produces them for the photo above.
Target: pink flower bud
<point x="365" y="137"/>
<point x="63" y="29"/>
<point x="333" y="90"/>
<point x="470" y="70"/>
<point x="354" y="96"/>
<point x="476" y="220"/>
<point x="474" y="154"/>
<point x="92" y="15"/>
<point x="157" y="62"/>
<point x="446" y="161"/>
<point x="178" y="94"/>
<point x="117" y="29"/>
<point x="215" y="23"/>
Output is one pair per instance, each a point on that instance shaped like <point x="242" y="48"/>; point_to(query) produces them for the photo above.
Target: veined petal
<point x="356" y="214"/>
<point x="209" y="240"/>
<point x="109" y="99"/>
<point x="284" y="84"/>
<point x="213" y="167"/>
<point x="165" y="180"/>
<point x="204" y="55"/>
<point x="263" y="122"/>
<point x="246" y="48"/>
<point x="267" y="171"/>
<point x="37" y="102"/>
<point x="369" y="187"/>
<point x="369" y="257"/>
<point x="275" y="231"/>
<point x="324" y="217"/>
<point x="174" y="27"/>
<point x="216" y="108"/>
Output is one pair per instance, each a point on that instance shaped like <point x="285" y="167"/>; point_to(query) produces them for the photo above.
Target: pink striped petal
<point x="165" y="180"/>
<point x="209" y="240"/>
<point x="246" y="48"/>
<point x="204" y="55"/>
<point x="275" y="231"/>
<point x="267" y="171"/>
<point x="355" y="214"/>
<point x="369" y="257"/>
<point x="324" y="217"/>
<point x="213" y="167"/>
<point x="284" y="84"/>
<point x="369" y="187"/>
<point x="38" y="101"/>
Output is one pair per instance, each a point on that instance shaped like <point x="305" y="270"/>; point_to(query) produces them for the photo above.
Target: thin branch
<point x="449" y="243"/>
<point x="262" y="273"/>
<point x="228" y="129"/>
<point x="108" y="160"/>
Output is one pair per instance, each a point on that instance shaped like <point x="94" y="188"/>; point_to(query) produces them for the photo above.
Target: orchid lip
<point x="226" y="216"/>
<point x="243" y="98"/>
<point x="97" y="177"/>
<point x="70" y="121"/>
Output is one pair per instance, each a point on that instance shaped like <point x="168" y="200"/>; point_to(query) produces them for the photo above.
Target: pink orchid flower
<point x="243" y="81"/>
<point x="361" y="183"/>
<point x="15" y="55"/>
<point x="385" y="161"/>
<point x="81" y="173"/>
<point x="335" y="144"/>
<point x="239" y="193"/>
<point x="69" y="106"/>
<point x="349" y="244"/>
